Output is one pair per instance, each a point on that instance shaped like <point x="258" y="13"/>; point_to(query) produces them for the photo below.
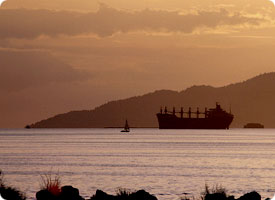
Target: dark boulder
<point x="141" y="195"/>
<point x="231" y="197"/>
<point x="215" y="196"/>
<point x="10" y="193"/>
<point x="100" y="195"/>
<point x="70" y="193"/>
<point x="45" y="195"/>
<point x="251" y="196"/>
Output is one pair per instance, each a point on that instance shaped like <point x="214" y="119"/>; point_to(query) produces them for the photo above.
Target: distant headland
<point x="250" y="100"/>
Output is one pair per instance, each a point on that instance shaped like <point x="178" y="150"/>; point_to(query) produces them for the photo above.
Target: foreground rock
<point x="71" y="193"/>
<point x="251" y="196"/>
<point x="9" y="193"/>
<point x="215" y="196"/>
<point x="222" y="196"/>
<point x="139" y="195"/>
<point x="67" y="193"/>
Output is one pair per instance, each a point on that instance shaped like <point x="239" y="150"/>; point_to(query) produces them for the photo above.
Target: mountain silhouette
<point x="250" y="101"/>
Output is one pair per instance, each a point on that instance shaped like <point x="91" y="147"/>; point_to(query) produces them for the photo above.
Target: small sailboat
<point x="126" y="127"/>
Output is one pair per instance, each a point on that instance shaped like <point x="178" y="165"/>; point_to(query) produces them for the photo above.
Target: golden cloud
<point x="25" y="23"/>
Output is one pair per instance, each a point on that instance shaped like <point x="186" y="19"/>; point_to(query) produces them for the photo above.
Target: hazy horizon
<point x="58" y="56"/>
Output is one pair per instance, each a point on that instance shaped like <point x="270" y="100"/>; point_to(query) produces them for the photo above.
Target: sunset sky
<point x="63" y="55"/>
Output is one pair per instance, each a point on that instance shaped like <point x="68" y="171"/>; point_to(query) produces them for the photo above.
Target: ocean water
<point x="166" y="163"/>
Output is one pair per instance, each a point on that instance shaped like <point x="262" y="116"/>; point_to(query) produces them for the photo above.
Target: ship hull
<point x="169" y="121"/>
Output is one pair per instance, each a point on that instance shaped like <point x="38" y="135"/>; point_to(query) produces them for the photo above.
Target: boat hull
<point x="169" y="121"/>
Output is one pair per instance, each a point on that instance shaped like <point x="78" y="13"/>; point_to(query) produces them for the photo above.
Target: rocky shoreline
<point x="51" y="190"/>
<point x="70" y="193"/>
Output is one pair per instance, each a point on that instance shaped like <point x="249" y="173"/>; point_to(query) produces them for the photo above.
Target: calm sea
<point x="166" y="163"/>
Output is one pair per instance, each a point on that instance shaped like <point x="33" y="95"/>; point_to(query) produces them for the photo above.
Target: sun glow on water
<point x="1" y="1"/>
<point x="1" y="198"/>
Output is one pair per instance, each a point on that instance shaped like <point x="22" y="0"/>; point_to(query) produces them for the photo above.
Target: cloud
<point x="89" y="5"/>
<point x="52" y="5"/>
<point x="23" y="23"/>
<point x="24" y="69"/>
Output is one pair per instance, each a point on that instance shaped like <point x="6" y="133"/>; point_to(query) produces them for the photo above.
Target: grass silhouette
<point x="214" y="190"/>
<point x="51" y="184"/>
<point x="9" y="193"/>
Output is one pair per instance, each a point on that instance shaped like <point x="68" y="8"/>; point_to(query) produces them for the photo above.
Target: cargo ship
<point x="214" y="118"/>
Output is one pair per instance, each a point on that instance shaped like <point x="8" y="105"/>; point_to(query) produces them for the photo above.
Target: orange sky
<point x="62" y="55"/>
